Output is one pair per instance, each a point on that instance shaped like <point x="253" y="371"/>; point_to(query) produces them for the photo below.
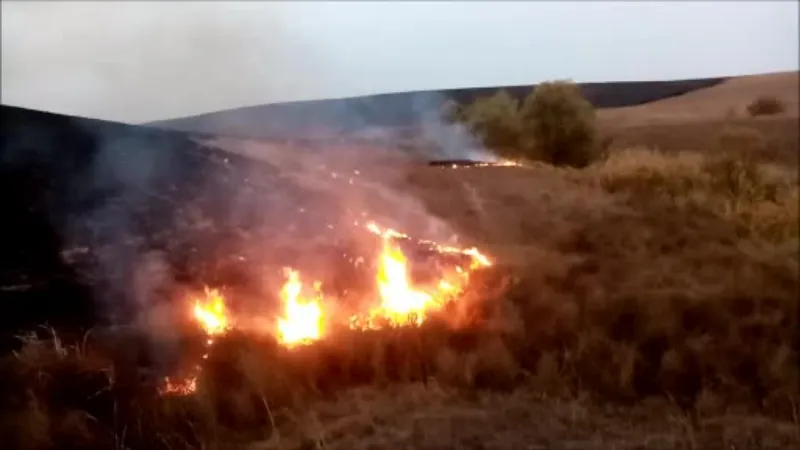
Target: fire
<point x="211" y="313"/>
<point x="302" y="322"/>
<point x="401" y="303"/>
<point x="180" y="387"/>
<point x="400" y="300"/>
<point x="212" y="316"/>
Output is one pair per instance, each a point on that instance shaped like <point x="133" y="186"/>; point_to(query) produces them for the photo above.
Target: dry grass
<point x="694" y="121"/>
<point x="781" y="133"/>
<point x="730" y="97"/>
<point x="647" y="301"/>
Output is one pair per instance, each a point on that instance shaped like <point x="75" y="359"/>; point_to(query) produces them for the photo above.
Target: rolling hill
<point x="644" y="303"/>
<point x="330" y="118"/>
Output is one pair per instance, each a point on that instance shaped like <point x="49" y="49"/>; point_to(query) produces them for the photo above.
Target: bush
<point x="495" y="121"/>
<point x="561" y="125"/>
<point x="765" y="106"/>
<point x="555" y="124"/>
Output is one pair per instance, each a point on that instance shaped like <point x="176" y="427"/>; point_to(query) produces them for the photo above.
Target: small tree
<point x="560" y="125"/>
<point x="495" y="120"/>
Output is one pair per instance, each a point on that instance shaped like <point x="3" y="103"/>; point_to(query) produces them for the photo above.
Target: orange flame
<point x="400" y="302"/>
<point x="302" y="322"/>
<point x="211" y="314"/>
<point x="180" y="387"/>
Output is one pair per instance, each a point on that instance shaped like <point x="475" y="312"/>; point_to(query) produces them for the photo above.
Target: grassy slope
<point x="653" y="304"/>
<point x="692" y="121"/>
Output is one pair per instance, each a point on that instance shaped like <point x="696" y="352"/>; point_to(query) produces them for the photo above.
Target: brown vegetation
<point x="765" y="106"/>
<point x="647" y="300"/>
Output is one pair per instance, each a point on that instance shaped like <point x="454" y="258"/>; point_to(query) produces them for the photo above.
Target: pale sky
<point x="150" y="60"/>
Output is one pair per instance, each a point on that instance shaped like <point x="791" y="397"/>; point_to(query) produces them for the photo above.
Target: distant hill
<point x="327" y="118"/>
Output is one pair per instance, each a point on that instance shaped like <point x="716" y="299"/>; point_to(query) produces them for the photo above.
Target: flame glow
<point x="211" y="313"/>
<point x="400" y="301"/>
<point x="302" y="322"/>
<point x="180" y="387"/>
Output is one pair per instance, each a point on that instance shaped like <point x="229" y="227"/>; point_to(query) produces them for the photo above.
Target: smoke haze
<point x="146" y="61"/>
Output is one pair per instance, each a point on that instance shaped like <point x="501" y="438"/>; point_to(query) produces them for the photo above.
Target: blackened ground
<point x="84" y="200"/>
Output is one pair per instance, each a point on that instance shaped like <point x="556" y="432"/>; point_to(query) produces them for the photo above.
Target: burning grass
<point x="667" y="284"/>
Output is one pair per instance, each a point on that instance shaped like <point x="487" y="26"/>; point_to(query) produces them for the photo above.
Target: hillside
<point x="693" y="121"/>
<point x="728" y="98"/>
<point x="646" y="301"/>
<point x="84" y="198"/>
<point x="329" y="118"/>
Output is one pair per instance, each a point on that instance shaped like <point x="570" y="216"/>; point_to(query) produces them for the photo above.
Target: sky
<point x="151" y="60"/>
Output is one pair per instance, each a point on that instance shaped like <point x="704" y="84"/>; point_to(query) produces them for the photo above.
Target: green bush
<point x="560" y="125"/>
<point x="495" y="121"/>
<point x="554" y="124"/>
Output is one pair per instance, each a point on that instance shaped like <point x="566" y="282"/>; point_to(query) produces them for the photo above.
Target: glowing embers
<point x="467" y="163"/>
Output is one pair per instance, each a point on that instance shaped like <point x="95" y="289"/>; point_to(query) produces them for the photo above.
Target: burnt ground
<point x="82" y="196"/>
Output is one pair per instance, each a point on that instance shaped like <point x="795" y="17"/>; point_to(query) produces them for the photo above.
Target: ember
<point x="465" y="163"/>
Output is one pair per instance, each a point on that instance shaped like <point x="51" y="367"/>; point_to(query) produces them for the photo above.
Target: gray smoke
<point x="167" y="206"/>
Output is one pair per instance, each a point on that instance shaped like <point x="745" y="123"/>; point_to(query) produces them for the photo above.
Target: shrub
<point x="765" y="106"/>
<point x="495" y="121"/>
<point x="733" y="165"/>
<point x="560" y="125"/>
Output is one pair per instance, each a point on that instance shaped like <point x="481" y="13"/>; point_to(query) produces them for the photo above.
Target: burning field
<point x="400" y="297"/>
<point x="315" y="298"/>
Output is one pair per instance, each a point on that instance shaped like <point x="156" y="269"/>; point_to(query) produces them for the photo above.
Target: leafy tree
<point x="559" y="125"/>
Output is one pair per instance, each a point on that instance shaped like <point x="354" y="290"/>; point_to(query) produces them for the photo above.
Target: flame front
<point x="401" y="304"/>
<point x="302" y="321"/>
<point x="211" y="313"/>
<point x="400" y="301"/>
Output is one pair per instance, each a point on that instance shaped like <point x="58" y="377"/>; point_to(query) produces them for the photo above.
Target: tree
<point x="495" y="120"/>
<point x="559" y="125"/>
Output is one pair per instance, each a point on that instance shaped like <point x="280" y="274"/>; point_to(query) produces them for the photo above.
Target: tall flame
<point x="211" y="313"/>
<point x="401" y="304"/>
<point x="302" y="321"/>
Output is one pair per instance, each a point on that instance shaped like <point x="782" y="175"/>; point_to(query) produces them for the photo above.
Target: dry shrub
<point x="560" y="122"/>
<point x="554" y="124"/>
<point x="759" y="199"/>
<point x="765" y="106"/>
<point x="688" y="293"/>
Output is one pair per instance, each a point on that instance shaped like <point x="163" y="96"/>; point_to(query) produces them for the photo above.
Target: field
<point x="649" y="300"/>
